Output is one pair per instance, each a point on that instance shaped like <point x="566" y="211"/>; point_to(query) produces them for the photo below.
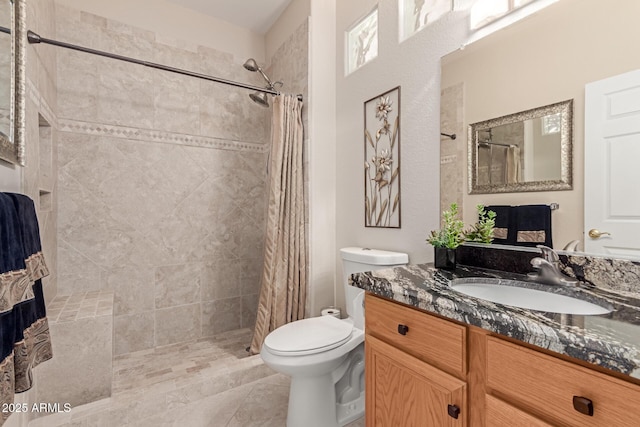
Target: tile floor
<point x="207" y="383"/>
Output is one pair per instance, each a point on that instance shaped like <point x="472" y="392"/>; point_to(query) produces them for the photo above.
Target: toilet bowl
<point x="315" y="366"/>
<point x="324" y="356"/>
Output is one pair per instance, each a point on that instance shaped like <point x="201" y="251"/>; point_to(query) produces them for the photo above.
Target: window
<point x="551" y="124"/>
<point x="362" y="42"/>
<point x="485" y="11"/>
<point x="417" y="14"/>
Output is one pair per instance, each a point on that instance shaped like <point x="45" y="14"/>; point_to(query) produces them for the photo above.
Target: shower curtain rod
<point x="495" y="143"/>
<point x="34" y="38"/>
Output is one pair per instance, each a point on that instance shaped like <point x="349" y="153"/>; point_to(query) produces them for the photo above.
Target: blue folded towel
<point x="24" y="330"/>
<point x="533" y="225"/>
<point x="11" y="246"/>
<point x="525" y="225"/>
<point x="504" y="221"/>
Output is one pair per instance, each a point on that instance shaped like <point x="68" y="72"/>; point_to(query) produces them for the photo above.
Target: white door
<point x="612" y="165"/>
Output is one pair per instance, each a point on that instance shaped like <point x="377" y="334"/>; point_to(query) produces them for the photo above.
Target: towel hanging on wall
<point x="25" y="341"/>
<point x="533" y="225"/>
<point x="503" y="221"/>
<point x="512" y="162"/>
<point x="525" y="225"/>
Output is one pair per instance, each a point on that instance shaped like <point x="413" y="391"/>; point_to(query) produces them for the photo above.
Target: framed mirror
<point x="12" y="80"/>
<point x="526" y="151"/>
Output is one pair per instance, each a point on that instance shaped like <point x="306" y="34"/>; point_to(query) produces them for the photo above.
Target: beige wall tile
<point x="177" y="324"/>
<point x="124" y="97"/>
<point x="249" y="309"/>
<point x="77" y="86"/>
<point x="133" y="332"/>
<point x="221" y="279"/>
<point x="177" y="285"/>
<point x="78" y="273"/>
<point x="221" y="316"/>
<point x="133" y="289"/>
<point x="176" y="104"/>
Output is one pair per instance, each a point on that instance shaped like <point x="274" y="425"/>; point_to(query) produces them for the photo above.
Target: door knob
<point x="596" y="234"/>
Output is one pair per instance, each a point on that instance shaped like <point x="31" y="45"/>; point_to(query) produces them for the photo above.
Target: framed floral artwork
<point x="382" y="160"/>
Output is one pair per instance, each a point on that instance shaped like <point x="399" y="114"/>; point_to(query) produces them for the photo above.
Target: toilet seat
<point x="309" y="336"/>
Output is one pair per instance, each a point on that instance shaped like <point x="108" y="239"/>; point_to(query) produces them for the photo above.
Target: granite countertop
<point x="610" y="340"/>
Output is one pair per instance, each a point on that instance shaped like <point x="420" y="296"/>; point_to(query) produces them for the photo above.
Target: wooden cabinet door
<point x="402" y="390"/>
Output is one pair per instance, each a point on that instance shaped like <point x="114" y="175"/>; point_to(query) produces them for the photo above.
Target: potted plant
<point x="447" y="239"/>
<point x="482" y="231"/>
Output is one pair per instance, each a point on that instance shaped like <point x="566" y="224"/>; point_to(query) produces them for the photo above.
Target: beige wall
<point x="292" y="17"/>
<point x="323" y="169"/>
<point x="414" y="65"/>
<point x="544" y="59"/>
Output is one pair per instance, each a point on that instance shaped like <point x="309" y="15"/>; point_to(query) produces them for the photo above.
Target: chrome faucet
<point x="547" y="269"/>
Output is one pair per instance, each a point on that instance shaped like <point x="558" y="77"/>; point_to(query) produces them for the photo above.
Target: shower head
<point x="251" y="65"/>
<point x="260" y="98"/>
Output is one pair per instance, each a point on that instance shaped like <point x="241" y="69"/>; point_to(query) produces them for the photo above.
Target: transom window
<point x="362" y="42"/>
<point x="417" y="14"/>
<point x="484" y="12"/>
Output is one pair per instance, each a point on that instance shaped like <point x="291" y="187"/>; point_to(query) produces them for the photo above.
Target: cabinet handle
<point x="403" y="329"/>
<point x="583" y="405"/>
<point x="453" y="411"/>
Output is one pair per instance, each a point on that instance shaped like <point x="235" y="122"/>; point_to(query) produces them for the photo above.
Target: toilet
<point x="324" y="356"/>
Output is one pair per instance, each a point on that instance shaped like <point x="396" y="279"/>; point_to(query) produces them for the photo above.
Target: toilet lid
<point x="309" y="336"/>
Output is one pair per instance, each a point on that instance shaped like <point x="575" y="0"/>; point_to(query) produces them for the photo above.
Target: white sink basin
<point x="528" y="298"/>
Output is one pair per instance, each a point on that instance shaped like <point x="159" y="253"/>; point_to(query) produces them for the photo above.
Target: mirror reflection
<point x="526" y="151"/>
<point x="5" y="68"/>
<point x="548" y="57"/>
<point x="13" y="41"/>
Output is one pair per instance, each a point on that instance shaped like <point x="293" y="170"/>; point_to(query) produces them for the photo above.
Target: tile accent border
<point x="445" y="160"/>
<point x="126" y="132"/>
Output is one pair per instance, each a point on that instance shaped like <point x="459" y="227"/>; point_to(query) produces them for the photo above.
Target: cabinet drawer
<point x="546" y="386"/>
<point x="403" y="391"/>
<point x="501" y="414"/>
<point x="427" y="337"/>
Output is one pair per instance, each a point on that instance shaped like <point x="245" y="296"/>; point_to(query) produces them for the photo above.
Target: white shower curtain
<point x="283" y="291"/>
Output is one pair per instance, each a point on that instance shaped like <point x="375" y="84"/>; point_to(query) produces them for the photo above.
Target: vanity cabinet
<point x="408" y="354"/>
<point x="422" y="370"/>
<point x="561" y="391"/>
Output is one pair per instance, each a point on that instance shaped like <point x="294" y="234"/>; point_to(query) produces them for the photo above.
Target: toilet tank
<point x="358" y="260"/>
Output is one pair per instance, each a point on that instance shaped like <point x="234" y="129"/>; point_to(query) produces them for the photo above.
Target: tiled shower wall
<point x="161" y="183"/>
<point x="452" y="151"/>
